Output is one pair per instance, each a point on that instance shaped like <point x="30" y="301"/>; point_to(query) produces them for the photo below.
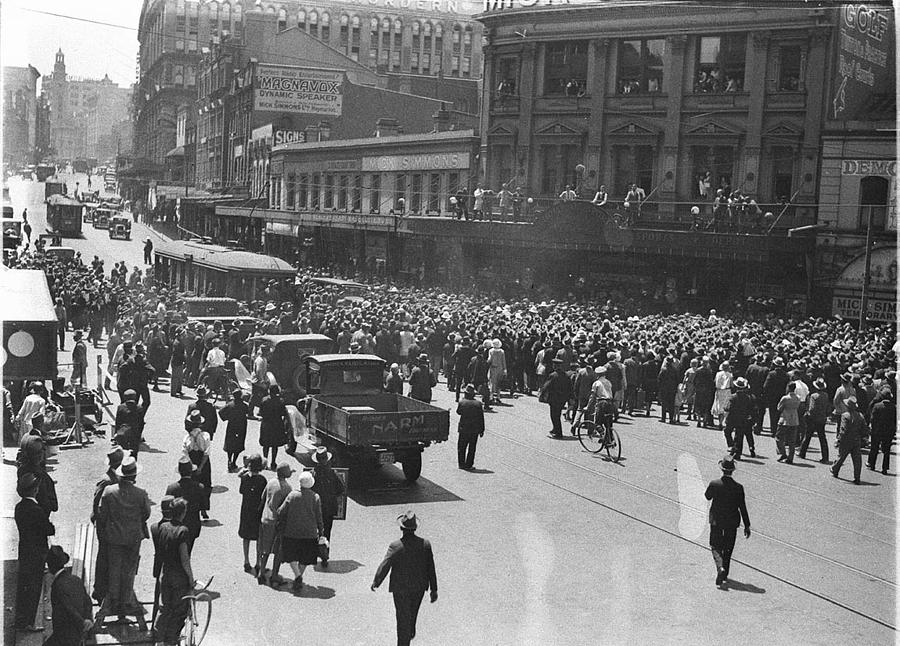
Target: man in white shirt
<point x="568" y="194"/>
<point x="33" y="405"/>
<point x="215" y="369"/>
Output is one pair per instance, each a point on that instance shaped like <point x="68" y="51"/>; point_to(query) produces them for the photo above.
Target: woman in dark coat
<point x="196" y="446"/>
<point x="273" y="424"/>
<point x="329" y="487"/>
<point x="235" y="416"/>
<point x="253" y="484"/>
<point x="669" y="379"/>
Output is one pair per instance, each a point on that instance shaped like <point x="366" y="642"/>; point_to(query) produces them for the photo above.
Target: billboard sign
<point x="865" y="58"/>
<point x="298" y="90"/>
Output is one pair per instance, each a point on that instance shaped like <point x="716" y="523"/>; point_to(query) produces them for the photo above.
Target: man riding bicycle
<point x="600" y="407"/>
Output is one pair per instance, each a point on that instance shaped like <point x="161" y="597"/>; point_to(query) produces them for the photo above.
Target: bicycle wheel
<point x="197" y="622"/>
<point x="588" y="437"/>
<point x="613" y="445"/>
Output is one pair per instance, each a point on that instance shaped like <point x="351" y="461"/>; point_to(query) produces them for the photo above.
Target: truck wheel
<point x="412" y="467"/>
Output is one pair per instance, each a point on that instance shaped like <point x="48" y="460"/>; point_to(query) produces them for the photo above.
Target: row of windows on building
<point x="719" y="67"/>
<point x="218" y="18"/>
<point x="421" y="193"/>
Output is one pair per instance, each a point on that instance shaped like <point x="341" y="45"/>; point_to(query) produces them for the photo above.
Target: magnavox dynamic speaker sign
<point x="300" y="90"/>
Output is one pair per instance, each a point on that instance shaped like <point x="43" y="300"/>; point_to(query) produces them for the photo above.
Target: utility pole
<point x="864" y="301"/>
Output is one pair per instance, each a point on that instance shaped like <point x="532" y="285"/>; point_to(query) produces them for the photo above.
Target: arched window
<point x="398" y="26"/>
<point x="301" y="20"/>
<point x="415" y="28"/>
<point x="345" y="20"/>
<point x="873" y="200"/>
<point x="355" y="21"/>
<point x="179" y="75"/>
<point x="226" y="17"/>
<point x="313" y="18"/>
<point x="213" y="17"/>
<point x="427" y="29"/>
<point x="467" y="39"/>
<point x="373" y="24"/>
<point x="325" y="28"/>
<point x="282" y="19"/>
<point x="237" y="21"/>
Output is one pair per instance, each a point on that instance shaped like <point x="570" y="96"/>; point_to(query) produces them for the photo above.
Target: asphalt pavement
<point x="542" y="543"/>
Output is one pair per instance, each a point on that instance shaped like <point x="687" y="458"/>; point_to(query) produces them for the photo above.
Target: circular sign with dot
<point x="20" y="344"/>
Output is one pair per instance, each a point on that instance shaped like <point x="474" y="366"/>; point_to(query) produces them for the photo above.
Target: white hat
<point x="307" y="480"/>
<point x="321" y="455"/>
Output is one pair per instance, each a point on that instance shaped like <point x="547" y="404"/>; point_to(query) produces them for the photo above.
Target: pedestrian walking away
<point x="726" y="511"/>
<point x="329" y="488"/>
<point x="471" y="427"/>
<point x="410" y="562"/>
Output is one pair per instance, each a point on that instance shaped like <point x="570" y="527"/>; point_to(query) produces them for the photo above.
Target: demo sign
<point x="301" y="90"/>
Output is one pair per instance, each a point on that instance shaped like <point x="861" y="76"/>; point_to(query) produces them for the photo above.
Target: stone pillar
<point x="812" y="126"/>
<point x="528" y="83"/>
<point x="755" y="85"/>
<point x="598" y="69"/>
<point x="673" y="83"/>
<point x="487" y="90"/>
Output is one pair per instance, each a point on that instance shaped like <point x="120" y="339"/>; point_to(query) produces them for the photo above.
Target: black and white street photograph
<point x="449" y="322"/>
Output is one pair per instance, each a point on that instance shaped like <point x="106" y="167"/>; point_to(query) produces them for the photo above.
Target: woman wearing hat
<point x="329" y="487"/>
<point x="235" y="414"/>
<point x="301" y="518"/>
<point x="196" y="446"/>
<point x="253" y="484"/>
<point x="724" y="382"/>
<point x="496" y="361"/>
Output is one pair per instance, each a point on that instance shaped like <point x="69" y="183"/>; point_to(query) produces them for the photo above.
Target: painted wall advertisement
<point x="865" y="58"/>
<point x="299" y="90"/>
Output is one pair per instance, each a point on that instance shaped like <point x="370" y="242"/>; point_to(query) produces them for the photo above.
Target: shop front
<point x="847" y="295"/>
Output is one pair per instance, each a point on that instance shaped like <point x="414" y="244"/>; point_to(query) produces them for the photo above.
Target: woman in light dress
<point x="724" y="380"/>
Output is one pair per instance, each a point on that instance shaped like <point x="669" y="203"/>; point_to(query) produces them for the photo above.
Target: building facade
<point x="20" y="115"/>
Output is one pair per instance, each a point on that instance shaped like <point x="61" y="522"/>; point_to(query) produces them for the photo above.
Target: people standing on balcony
<point x="720" y="209"/>
<point x="568" y="194"/>
<point x="601" y="197"/>
<point x="703" y="184"/>
<point x="478" y="206"/>
<point x="505" y="196"/>
<point x="462" y="203"/>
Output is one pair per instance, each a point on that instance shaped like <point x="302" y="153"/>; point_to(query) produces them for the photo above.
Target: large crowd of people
<point x="745" y="375"/>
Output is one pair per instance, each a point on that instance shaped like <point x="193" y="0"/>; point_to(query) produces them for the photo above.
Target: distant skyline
<point x="28" y="36"/>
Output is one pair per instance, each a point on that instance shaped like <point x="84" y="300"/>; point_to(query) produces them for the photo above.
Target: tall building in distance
<point x="20" y="115"/>
<point x="83" y="113"/>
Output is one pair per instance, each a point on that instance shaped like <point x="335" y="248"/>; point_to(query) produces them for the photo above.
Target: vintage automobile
<point x="364" y="427"/>
<point x="64" y="253"/>
<point x="119" y="228"/>
<point x="287" y="353"/>
<point x="102" y="217"/>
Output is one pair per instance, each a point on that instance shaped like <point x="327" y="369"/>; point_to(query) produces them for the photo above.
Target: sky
<point x="28" y="35"/>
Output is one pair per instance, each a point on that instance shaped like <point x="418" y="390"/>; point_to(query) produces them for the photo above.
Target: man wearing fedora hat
<point x="556" y="392"/>
<point x="726" y="512"/>
<point x="850" y="432"/>
<point x="329" y="487"/>
<point x="34" y="526"/>
<point x="71" y="605"/>
<point x="79" y="360"/>
<point x="884" y="426"/>
<point x="176" y="574"/>
<point x="774" y="389"/>
<point x="195" y="493"/>
<point x="410" y="562"/>
<point x="121" y="520"/>
<point x="817" y="411"/>
<point x="101" y="569"/>
<point x="471" y="427"/>
<point x="739" y="412"/>
<point x="422" y="380"/>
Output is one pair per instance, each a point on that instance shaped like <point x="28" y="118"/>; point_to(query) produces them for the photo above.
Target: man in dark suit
<point x="460" y="360"/>
<point x="774" y="389"/>
<point x="194" y="493"/>
<point x="33" y="523"/>
<point x="756" y="378"/>
<point x="884" y="425"/>
<point x="559" y="391"/>
<point x="69" y="600"/>
<point x="725" y="514"/>
<point x="411" y="564"/>
<point x="471" y="426"/>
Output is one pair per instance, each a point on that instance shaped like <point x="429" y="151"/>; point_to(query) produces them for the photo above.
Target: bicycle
<point x="605" y="440"/>
<point x="199" y="613"/>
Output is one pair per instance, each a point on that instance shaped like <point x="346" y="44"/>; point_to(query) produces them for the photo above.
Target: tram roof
<point x="25" y="292"/>
<point x="63" y="200"/>
<point x="223" y="258"/>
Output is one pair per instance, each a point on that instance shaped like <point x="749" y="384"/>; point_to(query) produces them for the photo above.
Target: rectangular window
<point x="434" y="192"/>
<point x="718" y="161"/>
<point x="329" y="192"/>
<point x="550" y="180"/>
<point x="782" y="173"/>
<point x="342" y="192"/>
<point x="303" y="193"/>
<point x="565" y="68"/>
<point x="454" y="65"/>
<point x="508" y="84"/>
<point x="640" y="66"/>
<point x="453" y="184"/>
<point x="325" y="33"/>
<point x="874" y="195"/>
<point x="395" y="60"/>
<point x="400" y="193"/>
<point x="790" y="69"/>
<point x="416" y="198"/>
<point x="345" y="38"/>
<point x="289" y="197"/>
<point x="414" y="61"/>
<point x="314" y="191"/>
<point x="375" y="195"/>
<point x="357" y="194"/>
<point x="467" y="66"/>
<point x="720" y="64"/>
<point x="633" y="165"/>
<point x="426" y="63"/>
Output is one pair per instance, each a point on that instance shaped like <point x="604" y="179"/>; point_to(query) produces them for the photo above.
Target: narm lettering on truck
<point x="407" y="424"/>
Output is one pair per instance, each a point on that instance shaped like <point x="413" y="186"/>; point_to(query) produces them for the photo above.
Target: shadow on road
<point x="477" y="470"/>
<point x="218" y="489"/>
<point x="388" y="487"/>
<point x="339" y="567"/>
<point x="744" y="587"/>
<point x="314" y="592"/>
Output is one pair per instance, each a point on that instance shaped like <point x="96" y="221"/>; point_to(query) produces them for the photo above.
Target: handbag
<point x="324" y="548"/>
<point x="544" y="393"/>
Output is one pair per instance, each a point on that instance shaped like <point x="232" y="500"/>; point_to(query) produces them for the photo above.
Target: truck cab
<point x="352" y="415"/>
<point x="287" y="354"/>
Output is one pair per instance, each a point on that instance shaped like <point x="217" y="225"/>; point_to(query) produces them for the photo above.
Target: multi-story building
<point x="82" y="112"/>
<point x="20" y="115"/>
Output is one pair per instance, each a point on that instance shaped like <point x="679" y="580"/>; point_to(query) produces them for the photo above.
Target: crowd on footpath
<point x="719" y="372"/>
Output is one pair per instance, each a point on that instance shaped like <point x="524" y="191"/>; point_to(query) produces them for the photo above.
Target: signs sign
<point x="289" y="137"/>
<point x="865" y="58"/>
<point x="436" y="161"/>
<point x="299" y="90"/>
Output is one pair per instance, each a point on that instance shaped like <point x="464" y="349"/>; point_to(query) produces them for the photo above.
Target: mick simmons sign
<point x="299" y="90"/>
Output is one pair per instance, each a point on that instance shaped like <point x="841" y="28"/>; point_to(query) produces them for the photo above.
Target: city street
<point x="542" y="543"/>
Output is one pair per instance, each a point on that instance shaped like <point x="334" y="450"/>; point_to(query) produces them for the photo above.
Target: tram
<point x="64" y="216"/>
<point x="212" y="270"/>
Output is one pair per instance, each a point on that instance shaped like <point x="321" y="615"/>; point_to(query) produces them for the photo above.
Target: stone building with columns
<point x="670" y="99"/>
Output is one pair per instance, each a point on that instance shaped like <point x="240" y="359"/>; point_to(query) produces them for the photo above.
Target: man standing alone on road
<point x="725" y="514"/>
<point x="410" y="562"/>
<point x="148" y="251"/>
<point x="556" y="392"/>
<point x="471" y="426"/>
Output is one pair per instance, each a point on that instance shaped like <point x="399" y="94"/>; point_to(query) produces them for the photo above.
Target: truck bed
<point x="381" y="420"/>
